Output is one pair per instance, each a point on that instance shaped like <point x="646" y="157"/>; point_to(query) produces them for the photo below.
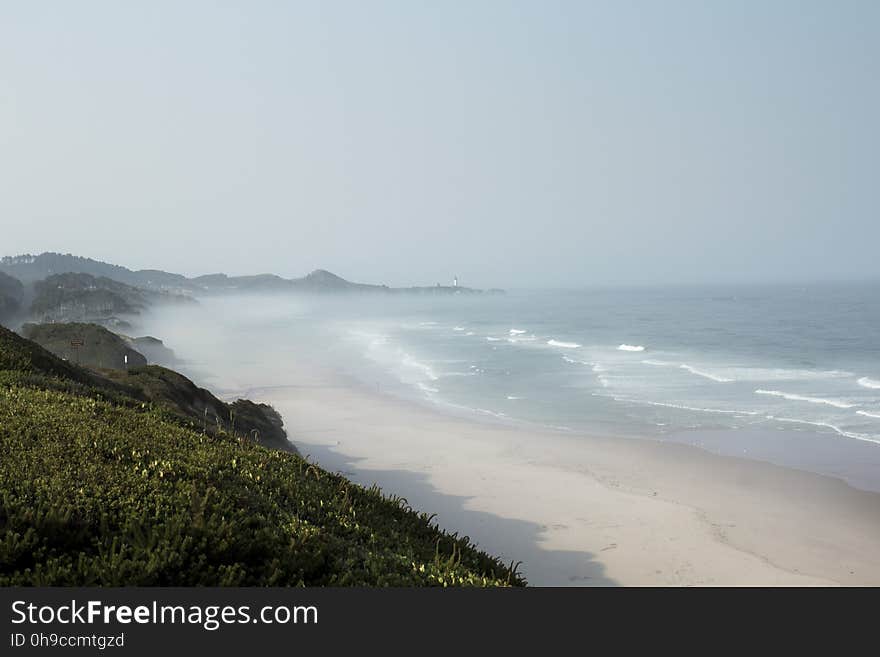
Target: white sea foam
<point x="564" y="345"/>
<point x="865" y="382"/>
<point x="706" y="375"/>
<point x="685" y="407"/>
<point x="492" y="413"/>
<point x="781" y="374"/>
<point x="493" y="339"/>
<point x="738" y="373"/>
<point x="836" y="403"/>
<point x="469" y="333"/>
<point x="718" y="378"/>
<point x="458" y="328"/>
<point x="870" y="438"/>
<point x="630" y="347"/>
<point x="867" y="414"/>
<point x="598" y="367"/>
<point x="513" y="397"/>
<point x="427" y="388"/>
<point x="516" y="331"/>
<point x="409" y="361"/>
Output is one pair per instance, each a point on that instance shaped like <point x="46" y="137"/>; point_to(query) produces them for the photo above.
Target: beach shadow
<point x="507" y="538"/>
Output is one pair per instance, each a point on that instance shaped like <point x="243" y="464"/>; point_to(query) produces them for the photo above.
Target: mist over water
<point x="627" y="362"/>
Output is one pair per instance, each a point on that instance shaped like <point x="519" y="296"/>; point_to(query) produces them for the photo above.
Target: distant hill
<point x="224" y="283"/>
<point x="88" y="345"/>
<point x="100" y="347"/>
<point x="78" y="297"/>
<point x="31" y="268"/>
<point x="322" y="280"/>
<point x="11" y="296"/>
<point x="29" y="360"/>
<point x="153" y="349"/>
<point x="105" y="352"/>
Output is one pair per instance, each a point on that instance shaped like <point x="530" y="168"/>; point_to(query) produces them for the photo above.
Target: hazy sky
<point x="511" y="143"/>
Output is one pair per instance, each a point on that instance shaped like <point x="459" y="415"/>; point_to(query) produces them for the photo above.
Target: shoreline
<point x="582" y="509"/>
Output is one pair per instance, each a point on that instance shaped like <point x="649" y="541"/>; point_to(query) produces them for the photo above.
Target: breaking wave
<point x="848" y="434"/>
<point x="684" y="407"/>
<point x="836" y="403"/>
<point x="718" y="378"/>
<point x="564" y="345"/>
<point x="706" y="375"/>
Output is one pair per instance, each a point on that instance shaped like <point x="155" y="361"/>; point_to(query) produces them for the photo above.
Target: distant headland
<point x="55" y="287"/>
<point x="30" y="269"/>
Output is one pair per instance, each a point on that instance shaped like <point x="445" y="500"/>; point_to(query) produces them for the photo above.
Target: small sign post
<point x="75" y="344"/>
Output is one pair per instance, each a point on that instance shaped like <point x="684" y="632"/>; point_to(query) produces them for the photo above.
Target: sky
<point x="513" y="144"/>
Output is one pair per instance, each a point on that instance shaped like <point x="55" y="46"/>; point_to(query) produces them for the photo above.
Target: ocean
<point x="642" y="360"/>
<point x="789" y="374"/>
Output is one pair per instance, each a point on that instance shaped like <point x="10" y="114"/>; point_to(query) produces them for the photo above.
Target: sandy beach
<point x="589" y="510"/>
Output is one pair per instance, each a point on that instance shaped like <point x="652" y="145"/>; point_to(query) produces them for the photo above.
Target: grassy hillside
<point x="99" y="347"/>
<point x="202" y="410"/>
<point x="104" y="352"/>
<point x="99" y="488"/>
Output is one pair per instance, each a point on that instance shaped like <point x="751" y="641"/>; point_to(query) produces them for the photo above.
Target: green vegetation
<point x="103" y="351"/>
<point x="82" y="297"/>
<point x="66" y="297"/>
<point x="202" y="410"/>
<point x="31" y="268"/>
<point x="98" y="347"/>
<point x="98" y="487"/>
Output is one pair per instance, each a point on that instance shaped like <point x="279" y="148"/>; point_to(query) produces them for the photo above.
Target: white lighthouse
<point x="455" y="281"/>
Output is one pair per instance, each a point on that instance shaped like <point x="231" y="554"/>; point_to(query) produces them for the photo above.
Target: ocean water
<point x="637" y="361"/>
